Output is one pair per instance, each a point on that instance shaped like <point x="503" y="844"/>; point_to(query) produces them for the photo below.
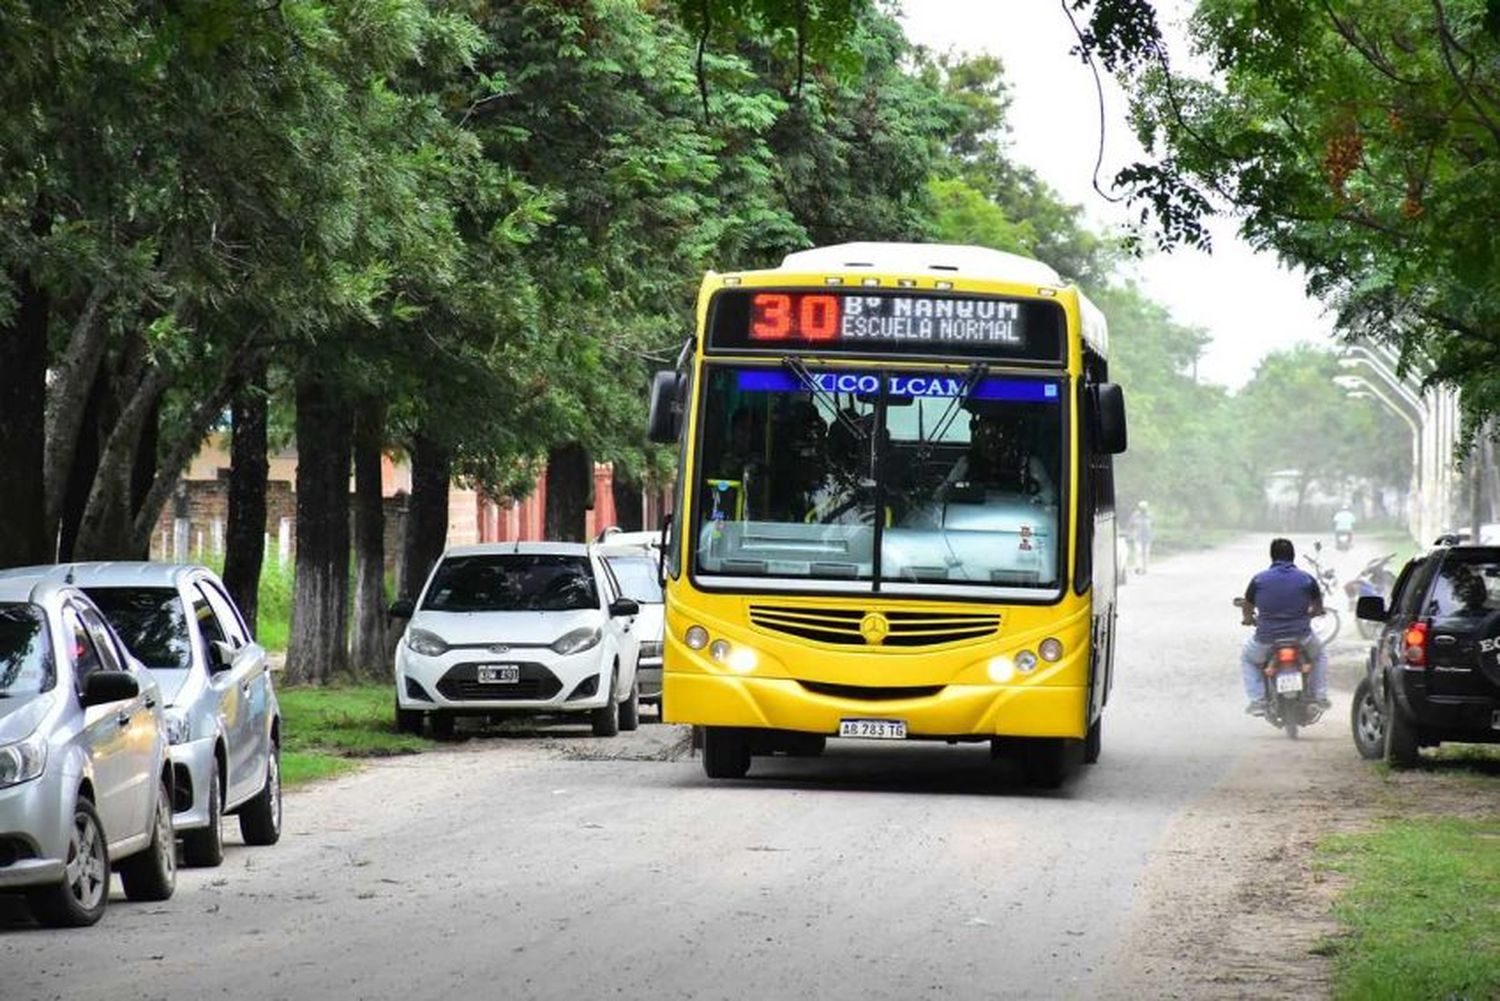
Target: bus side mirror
<point x="1109" y="416"/>
<point x="664" y="422"/>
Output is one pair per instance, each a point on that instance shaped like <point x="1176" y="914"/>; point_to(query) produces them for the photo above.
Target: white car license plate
<point x="1289" y="681"/>
<point x="873" y="729"/>
<point x="499" y="674"/>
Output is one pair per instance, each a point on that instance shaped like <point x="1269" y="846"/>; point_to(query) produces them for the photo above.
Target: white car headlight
<point x="578" y="640"/>
<point x="179" y="730"/>
<point x="23" y="760"/>
<point x="425" y="643"/>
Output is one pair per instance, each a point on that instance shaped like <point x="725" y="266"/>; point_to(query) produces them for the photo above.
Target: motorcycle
<point x="1325" y="627"/>
<point x="1289" y="704"/>
<point x="1375" y="579"/>
<point x="1342" y="541"/>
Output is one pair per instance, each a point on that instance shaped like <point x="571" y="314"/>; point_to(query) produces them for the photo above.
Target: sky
<point x="1245" y="300"/>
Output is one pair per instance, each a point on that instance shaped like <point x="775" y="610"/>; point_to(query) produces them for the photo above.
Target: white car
<point x="535" y="627"/>
<point x="85" y="781"/>
<point x="221" y="710"/>
<point x="635" y="570"/>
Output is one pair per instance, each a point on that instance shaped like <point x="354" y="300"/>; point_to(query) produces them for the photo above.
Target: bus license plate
<point x="1289" y="681"/>
<point x="873" y="729"/>
<point x="499" y="674"/>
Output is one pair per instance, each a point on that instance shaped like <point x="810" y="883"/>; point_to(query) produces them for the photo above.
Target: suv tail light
<point x="1415" y="640"/>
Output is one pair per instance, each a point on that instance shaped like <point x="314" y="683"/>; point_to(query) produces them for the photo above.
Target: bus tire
<point x="1044" y="761"/>
<point x="726" y="752"/>
<point x="1094" y="742"/>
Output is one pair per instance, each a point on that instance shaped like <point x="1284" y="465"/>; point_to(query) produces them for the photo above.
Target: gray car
<point x="221" y="711"/>
<point x="85" y="778"/>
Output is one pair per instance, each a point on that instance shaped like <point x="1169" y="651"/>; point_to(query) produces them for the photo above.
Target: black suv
<point x="1434" y="673"/>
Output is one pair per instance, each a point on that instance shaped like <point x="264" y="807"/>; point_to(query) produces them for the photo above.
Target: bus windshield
<point x="899" y="479"/>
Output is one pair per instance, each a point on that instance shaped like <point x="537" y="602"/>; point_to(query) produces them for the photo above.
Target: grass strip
<point x="1423" y="910"/>
<point x="325" y="728"/>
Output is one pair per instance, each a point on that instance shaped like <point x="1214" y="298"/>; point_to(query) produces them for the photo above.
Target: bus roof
<point x="938" y="259"/>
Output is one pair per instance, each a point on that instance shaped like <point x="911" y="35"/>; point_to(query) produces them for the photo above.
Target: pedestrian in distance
<point x="1140" y="533"/>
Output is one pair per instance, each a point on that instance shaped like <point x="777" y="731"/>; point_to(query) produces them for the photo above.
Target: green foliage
<point x="1361" y="143"/>
<point x="1421" y="910"/>
<point x="348" y="721"/>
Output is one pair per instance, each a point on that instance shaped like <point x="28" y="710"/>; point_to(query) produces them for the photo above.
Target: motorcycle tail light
<point x="1416" y="644"/>
<point x="1287" y="655"/>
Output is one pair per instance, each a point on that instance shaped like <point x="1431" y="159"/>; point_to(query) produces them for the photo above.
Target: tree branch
<point x="72" y="378"/>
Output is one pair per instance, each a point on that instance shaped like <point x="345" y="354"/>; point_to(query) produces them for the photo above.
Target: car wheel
<point x="1044" y="761"/>
<point x="408" y="720"/>
<point x="1401" y="747"/>
<point x="79" y="900"/>
<point x="260" y="819"/>
<point x="206" y="847"/>
<point x="606" y="719"/>
<point x="1093" y="743"/>
<point x="630" y="709"/>
<point x="152" y="874"/>
<point x="726" y="752"/>
<point x="442" y="725"/>
<point x="1368" y="722"/>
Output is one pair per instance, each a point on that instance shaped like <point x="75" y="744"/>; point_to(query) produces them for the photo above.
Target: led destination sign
<point x="863" y="322"/>
<point x="900" y="385"/>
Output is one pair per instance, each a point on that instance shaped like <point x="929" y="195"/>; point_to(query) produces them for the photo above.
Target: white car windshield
<point x="637" y="577"/>
<point x="25" y="652"/>
<point x="150" y="621"/>
<point x="512" y="582"/>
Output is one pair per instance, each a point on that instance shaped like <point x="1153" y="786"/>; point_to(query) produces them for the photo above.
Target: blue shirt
<point x="1282" y="595"/>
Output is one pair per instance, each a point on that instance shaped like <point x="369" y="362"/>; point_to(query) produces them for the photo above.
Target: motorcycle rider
<point x="1280" y="602"/>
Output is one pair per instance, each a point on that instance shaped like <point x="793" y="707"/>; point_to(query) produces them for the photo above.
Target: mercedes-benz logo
<point x="874" y="628"/>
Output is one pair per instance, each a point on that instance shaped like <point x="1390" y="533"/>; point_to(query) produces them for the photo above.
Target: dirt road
<point x="570" y="867"/>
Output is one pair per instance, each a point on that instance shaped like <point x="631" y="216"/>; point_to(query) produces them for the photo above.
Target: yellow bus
<point x="894" y="516"/>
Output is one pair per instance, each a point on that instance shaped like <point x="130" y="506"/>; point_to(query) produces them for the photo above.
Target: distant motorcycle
<point x="1342" y="541"/>
<point x="1375" y="579"/>
<point x="1289" y="704"/>
<point x="1326" y="626"/>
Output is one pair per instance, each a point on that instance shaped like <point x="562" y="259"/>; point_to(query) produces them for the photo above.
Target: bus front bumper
<point x="957" y="711"/>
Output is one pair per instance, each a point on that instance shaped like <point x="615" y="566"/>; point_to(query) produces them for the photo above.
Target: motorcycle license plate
<point x="1288" y="682"/>
<point x="499" y="674"/>
<point x="873" y="729"/>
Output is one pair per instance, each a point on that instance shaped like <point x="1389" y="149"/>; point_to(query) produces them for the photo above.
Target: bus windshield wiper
<point x="972" y="379"/>
<point x="798" y="368"/>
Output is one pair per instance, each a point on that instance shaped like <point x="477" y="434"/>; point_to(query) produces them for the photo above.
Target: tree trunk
<point x="570" y="492"/>
<point x="320" y="604"/>
<point x="105" y="531"/>
<point x="83" y="464"/>
<point x="245" y="531"/>
<point x="71" y="406"/>
<point x="23" y="404"/>
<point x="628" y="503"/>
<point x="426" y="513"/>
<point x="369" y="650"/>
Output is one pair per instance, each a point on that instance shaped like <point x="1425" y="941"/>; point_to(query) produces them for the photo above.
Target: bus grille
<point x="867" y="693"/>
<point x="841" y="626"/>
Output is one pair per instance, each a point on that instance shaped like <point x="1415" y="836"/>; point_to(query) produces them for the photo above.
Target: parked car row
<point x="532" y="628"/>
<point x="1433" y="674"/>
<point x="135" y="710"/>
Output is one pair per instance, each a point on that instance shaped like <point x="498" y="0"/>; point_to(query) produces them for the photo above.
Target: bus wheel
<point x="1044" y="761"/>
<point x="726" y="752"/>
<point x="1094" y="742"/>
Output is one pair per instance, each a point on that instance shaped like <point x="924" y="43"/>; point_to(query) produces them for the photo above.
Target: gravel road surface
<point x="564" y="866"/>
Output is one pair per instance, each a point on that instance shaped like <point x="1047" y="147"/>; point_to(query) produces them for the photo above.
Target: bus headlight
<point x="742" y="659"/>
<point x="1025" y="662"/>
<point x="719" y="651"/>
<point x="1051" y="649"/>
<point x="1001" y="670"/>
<point x="696" y="637"/>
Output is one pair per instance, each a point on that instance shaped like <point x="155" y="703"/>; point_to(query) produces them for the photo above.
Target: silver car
<point x="221" y="711"/>
<point x="85" y="778"/>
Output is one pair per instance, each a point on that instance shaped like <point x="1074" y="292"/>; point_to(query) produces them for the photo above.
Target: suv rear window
<point x="25" y="652"/>
<point x="518" y="582"/>
<point x="1467" y="586"/>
